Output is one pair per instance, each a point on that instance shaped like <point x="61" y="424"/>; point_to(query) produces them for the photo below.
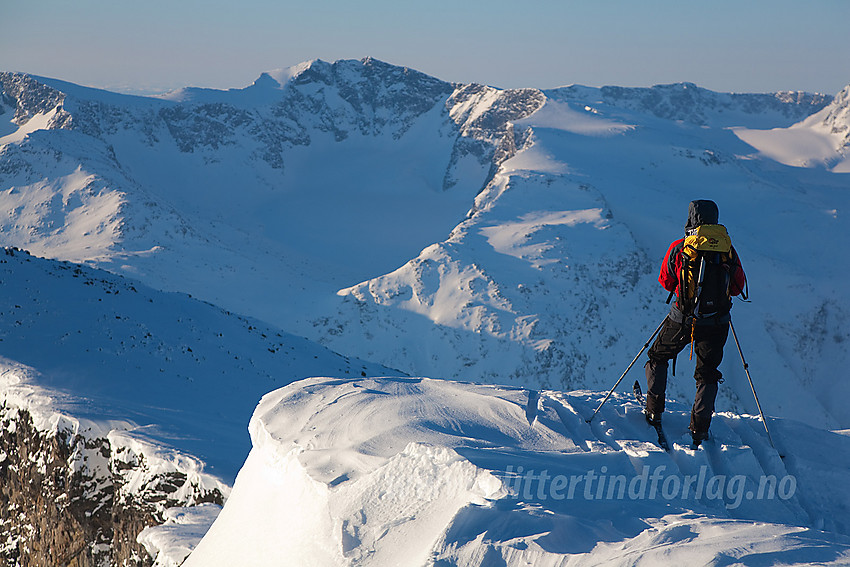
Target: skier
<point x="690" y="322"/>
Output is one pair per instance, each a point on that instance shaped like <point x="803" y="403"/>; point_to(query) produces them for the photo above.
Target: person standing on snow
<point x="704" y="271"/>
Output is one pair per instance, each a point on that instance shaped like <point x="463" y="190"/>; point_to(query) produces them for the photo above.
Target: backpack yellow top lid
<point x="708" y="237"/>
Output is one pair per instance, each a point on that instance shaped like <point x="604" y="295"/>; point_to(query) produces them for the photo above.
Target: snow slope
<point x="413" y="471"/>
<point x="181" y="361"/>
<point x="152" y="388"/>
<point x="552" y="279"/>
<point x="822" y="139"/>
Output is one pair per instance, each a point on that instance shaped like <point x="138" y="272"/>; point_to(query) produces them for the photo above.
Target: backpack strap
<point x="686" y="301"/>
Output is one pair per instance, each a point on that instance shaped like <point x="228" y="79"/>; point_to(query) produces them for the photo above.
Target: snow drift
<point x="413" y="471"/>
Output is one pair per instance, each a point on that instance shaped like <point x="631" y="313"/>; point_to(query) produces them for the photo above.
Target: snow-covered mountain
<point x="503" y="235"/>
<point x="446" y="230"/>
<point x="821" y="139"/>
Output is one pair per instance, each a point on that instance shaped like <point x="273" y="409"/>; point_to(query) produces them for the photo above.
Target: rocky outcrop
<point x="838" y="116"/>
<point x="64" y="497"/>
<point x="27" y="96"/>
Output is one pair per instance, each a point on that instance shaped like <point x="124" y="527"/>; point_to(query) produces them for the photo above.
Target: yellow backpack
<point x="706" y="272"/>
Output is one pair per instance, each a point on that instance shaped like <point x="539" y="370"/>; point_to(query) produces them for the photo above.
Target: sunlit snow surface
<point x="410" y="471"/>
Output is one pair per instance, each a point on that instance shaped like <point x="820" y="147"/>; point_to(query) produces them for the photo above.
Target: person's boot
<point x="698" y="437"/>
<point x="699" y="429"/>
<point x="652" y="419"/>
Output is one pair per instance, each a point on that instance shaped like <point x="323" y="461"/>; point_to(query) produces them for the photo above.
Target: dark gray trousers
<point x="708" y="349"/>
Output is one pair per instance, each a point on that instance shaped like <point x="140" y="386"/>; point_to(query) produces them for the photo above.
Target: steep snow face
<point x="409" y="471"/>
<point x="101" y="347"/>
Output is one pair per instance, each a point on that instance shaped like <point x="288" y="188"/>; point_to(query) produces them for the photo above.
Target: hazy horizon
<point x="759" y="46"/>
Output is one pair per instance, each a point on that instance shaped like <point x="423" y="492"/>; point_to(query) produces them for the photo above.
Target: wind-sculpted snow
<point x="412" y="471"/>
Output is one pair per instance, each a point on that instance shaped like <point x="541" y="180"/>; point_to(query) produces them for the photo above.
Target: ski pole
<point x="753" y="388"/>
<point x="611" y="391"/>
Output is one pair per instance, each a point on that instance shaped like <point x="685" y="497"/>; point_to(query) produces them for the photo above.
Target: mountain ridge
<point x="418" y="471"/>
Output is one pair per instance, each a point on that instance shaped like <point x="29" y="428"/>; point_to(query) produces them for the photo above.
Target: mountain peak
<point x="341" y="70"/>
<point x="278" y="78"/>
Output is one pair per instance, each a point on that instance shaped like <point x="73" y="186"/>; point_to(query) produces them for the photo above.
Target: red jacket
<point x="672" y="266"/>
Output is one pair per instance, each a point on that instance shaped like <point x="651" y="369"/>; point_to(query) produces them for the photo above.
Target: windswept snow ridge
<point x="410" y="471"/>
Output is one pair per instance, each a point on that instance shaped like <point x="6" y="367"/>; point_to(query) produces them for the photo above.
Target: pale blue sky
<point x="724" y="45"/>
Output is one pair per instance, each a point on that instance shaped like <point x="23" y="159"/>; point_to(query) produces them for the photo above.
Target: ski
<point x="662" y="438"/>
